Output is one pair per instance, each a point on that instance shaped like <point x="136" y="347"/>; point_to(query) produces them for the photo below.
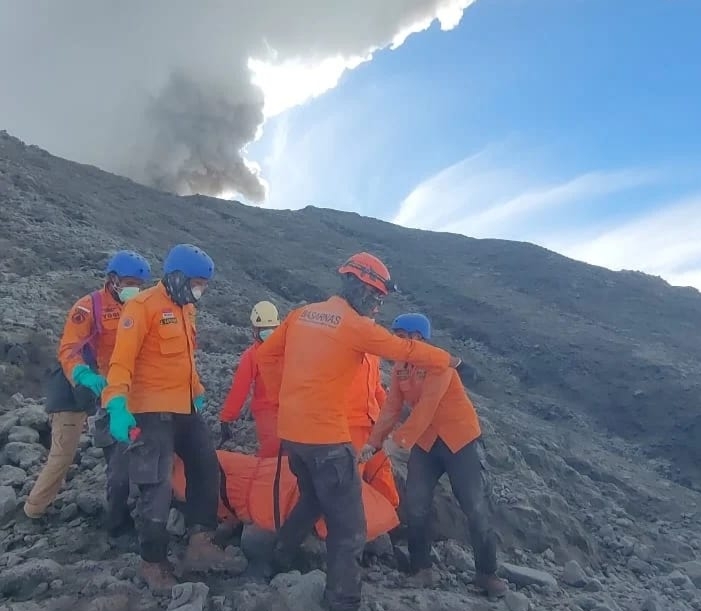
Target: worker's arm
<point x="270" y="355"/>
<point x="240" y="388"/>
<point x="133" y="326"/>
<point x="434" y="387"/>
<point x="367" y="336"/>
<point x="198" y="388"/>
<point x="389" y="414"/>
<point x="76" y="332"/>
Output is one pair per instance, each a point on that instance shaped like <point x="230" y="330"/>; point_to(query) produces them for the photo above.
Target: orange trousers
<point x="378" y="470"/>
<point x="266" y="432"/>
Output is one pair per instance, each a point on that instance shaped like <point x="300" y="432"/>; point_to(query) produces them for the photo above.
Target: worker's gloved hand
<point x="390" y="446"/>
<point x="84" y="376"/>
<point x="121" y="419"/>
<point x="227" y="432"/>
<point x="366" y="453"/>
<point x="198" y="403"/>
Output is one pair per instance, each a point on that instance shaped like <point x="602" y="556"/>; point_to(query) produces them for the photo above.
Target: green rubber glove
<point x="199" y="402"/>
<point x="121" y="419"/>
<point x="84" y="376"/>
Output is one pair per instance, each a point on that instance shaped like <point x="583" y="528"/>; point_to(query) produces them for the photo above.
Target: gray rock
<point x="300" y="592"/>
<point x="593" y="585"/>
<point x="679" y="579"/>
<point x="24" y="455"/>
<point x="89" y="503"/>
<point x="573" y="574"/>
<point x="12" y="476"/>
<point x="176" y="523"/>
<point x="8" y="503"/>
<point x="189" y="597"/>
<point x="457" y="558"/>
<point x="517" y="601"/>
<point x="23" y="434"/>
<point x="7" y="422"/>
<point x="639" y="566"/>
<point x="21" y="580"/>
<point x="68" y="512"/>
<point x="525" y="576"/>
<point x="651" y="604"/>
<point x="34" y="417"/>
<point x="692" y="569"/>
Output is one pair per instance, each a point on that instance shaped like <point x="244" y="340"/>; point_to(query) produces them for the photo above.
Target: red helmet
<point x="369" y="270"/>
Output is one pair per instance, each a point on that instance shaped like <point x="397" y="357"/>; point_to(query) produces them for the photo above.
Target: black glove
<point x="227" y="432"/>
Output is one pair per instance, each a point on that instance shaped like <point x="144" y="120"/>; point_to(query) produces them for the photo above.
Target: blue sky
<point x="574" y="124"/>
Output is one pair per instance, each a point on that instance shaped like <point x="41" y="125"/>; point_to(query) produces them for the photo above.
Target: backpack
<point x="61" y="395"/>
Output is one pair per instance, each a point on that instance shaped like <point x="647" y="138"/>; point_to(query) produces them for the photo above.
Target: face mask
<point x="265" y="334"/>
<point x="128" y="292"/>
<point x="196" y="292"/>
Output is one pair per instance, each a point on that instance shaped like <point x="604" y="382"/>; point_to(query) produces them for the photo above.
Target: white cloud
<point x="664" y="242"/>
<point x="594" y="216"/>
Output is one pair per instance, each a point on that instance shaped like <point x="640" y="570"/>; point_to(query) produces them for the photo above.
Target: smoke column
<point x="165" y="91"/>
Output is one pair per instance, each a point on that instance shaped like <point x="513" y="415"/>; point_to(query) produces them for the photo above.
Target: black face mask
<point x="360" y="296"/>
<point x="178" y="288"/>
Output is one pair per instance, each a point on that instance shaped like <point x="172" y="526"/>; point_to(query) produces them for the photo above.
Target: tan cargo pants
<point x="66" y="428"/>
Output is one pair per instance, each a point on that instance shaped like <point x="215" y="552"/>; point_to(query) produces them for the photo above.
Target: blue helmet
<point x="413" y="323"/>
<point x="129" y="264"/>
<point x="193" y="262"/>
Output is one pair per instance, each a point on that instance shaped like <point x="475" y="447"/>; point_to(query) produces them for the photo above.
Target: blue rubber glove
<point x="84" y="376"/>
<point x="198" y="402"/>
<point x="121" y="419"/>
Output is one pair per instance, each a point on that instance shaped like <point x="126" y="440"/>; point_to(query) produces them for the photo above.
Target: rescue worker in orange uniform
<point x="366" y="397"/>
<point x="444" y="435"/>
<point x="264" y="320"/>
<point x="74" y="390"/>
<point x="154" y="397"/>
<point x="309" y="363"/>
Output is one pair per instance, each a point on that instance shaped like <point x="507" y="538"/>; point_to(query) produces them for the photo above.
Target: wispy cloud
<point x="618" y="218"/>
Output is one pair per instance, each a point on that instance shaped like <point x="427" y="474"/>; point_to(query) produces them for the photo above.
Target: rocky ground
<point x="586" y="383"/>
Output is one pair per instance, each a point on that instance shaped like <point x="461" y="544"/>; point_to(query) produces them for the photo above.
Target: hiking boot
<point x="158" y="576"/>
<point x="203" y="555"/>
<point x="423" y="578"/>
<point x="491" y="584"/>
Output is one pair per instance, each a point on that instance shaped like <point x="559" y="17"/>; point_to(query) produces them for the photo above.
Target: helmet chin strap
<point x="178" y="288"/>
<point x="359" y="296"/>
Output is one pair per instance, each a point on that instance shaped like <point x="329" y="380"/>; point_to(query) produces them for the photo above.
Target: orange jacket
<point x="366" y="395"/>
<point x="310" y="361"/>
<point x="153" y="362"/>
<point x="246" y="375"/>
<point x="439" y="405"/>
<point x="78" y="328"/>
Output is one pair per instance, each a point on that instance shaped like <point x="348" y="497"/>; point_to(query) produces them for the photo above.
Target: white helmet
<point x="264" y="314"/>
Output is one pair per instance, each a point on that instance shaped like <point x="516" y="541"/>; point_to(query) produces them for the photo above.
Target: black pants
<point x="117" y="485"/>
<point x="329" y="486"/>
<point x="468" y="480"/>
<point x="151" y="468"/>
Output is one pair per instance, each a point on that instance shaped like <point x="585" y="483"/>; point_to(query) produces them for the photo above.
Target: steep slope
<point x="585" y="379"/>
<point x="619" y="348"/>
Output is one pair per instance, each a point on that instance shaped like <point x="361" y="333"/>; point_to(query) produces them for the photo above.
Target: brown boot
<point x="423" y="578"/>
<point x="491" y="584"/>
<point x="158" y="576"/>
<point x="203" y="555"/>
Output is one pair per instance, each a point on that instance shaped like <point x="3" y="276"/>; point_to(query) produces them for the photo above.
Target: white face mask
<point x="128" y="292"/>
<point x="196" y="292"/>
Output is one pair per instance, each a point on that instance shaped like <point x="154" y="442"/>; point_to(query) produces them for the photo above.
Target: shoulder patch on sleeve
<point x="127" y="322"/>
